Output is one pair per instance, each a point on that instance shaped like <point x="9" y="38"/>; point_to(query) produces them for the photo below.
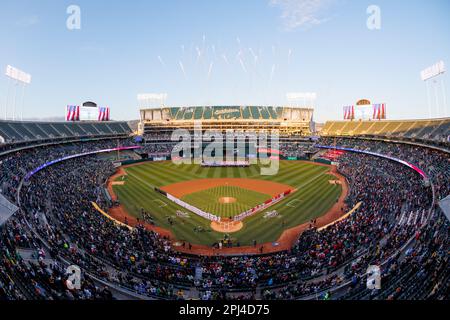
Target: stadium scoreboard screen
<point x="88" y="113"/>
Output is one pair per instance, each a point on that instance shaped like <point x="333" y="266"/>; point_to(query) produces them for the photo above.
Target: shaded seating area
<point x="17" y="131"/>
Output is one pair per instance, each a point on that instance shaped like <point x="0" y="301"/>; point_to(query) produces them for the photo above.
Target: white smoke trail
<point x="204" y="46"/>
<point x="255" y="57"/>
<point x="289" y="56"/>
<point x="199" y="53"/>
<point x="161" y="61"/>
<point x="272" y="73"/>
<point x="242" y="65"/>
<point x="224" y="57"/>
<point x="210" y="70"/>
<point x="182" y="69"/>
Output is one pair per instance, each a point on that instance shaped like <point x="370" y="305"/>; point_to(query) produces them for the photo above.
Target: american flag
<point x="73" y="113"/>
<point x="349" y="113"/>
<point x="103" y="114"/>
<point x="379" y="111"/>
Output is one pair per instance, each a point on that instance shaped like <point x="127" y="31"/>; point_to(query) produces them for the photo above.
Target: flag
<point x="379" y="111"/>
<point x="383" y="111"/>
<point x="73" y="113"/>
<point x="68" y="113"/>
<point x="349" y="113"/>
<point x="103" y="114"/>
<point x="100" y="114"/>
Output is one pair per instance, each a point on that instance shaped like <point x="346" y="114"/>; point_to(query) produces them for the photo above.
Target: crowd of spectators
<point x="158" y="149"/>
<point x="58" y="221"/>
<point x="434" y="162"/>
<point x="297" y="149"/>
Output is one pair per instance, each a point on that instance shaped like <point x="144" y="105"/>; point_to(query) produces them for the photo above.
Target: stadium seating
<point x="434" y="131"/>
<point x="396" y="229"/>
<point x="286" y="120"/>
<point x="13" y="132"/>
<point x="226" y="113"/>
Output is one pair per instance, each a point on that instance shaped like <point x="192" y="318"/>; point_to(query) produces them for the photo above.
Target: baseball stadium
<point x="222" y="201"/>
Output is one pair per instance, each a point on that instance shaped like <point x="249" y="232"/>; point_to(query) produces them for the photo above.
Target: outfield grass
<point x="209" y="200"/>
<point x="314" y="197"/>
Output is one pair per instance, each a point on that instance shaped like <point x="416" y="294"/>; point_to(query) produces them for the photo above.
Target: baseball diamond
<point x="204" y="187"/>
<point x="225" y="201"/>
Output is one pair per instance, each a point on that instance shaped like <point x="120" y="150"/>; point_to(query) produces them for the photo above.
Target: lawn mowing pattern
<point x="208" y="200"/>
<point x="314" y="197"/>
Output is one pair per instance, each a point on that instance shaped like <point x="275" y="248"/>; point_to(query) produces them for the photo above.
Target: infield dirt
<point x="184" y="188"/>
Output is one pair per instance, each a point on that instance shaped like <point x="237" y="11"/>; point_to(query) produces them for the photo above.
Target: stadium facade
<point x="288" y="120"/>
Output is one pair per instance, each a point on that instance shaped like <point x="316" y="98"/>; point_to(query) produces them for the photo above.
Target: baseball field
<point x="226" y="192"/>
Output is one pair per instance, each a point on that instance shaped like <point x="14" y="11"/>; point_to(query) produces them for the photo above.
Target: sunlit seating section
<point x="437" y="130"/>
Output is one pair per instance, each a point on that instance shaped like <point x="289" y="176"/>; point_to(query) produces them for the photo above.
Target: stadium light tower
<point x="302" y="99"/>
<point x="433" y="74"/>
<point x="149" y="100"/>
<point x="17" y="78"/>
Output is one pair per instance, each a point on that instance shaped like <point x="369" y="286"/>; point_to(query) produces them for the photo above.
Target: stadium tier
<point x="15" y="132"/>
<point x="253" y="118"/>
<point x="435" y="130"/>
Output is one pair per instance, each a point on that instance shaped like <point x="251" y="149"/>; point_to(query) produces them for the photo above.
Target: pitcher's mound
<point x="227" y="226"/>
<point x="227" y="200"/>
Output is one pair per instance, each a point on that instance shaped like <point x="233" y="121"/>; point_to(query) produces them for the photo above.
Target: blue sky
<point x="251" y="52"/>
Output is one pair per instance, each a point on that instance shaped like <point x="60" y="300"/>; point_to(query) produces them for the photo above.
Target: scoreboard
<point x="88" y="114"/>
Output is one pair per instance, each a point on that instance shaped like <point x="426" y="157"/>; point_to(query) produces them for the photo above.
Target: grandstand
<point x="315" y="268"/>
<point x="433" y="130"/>
<point x="289" y="121"/>
<point x="24" y="131"/>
